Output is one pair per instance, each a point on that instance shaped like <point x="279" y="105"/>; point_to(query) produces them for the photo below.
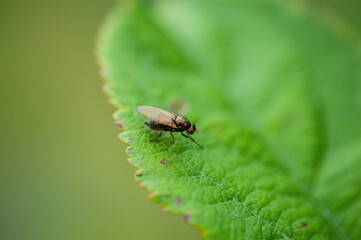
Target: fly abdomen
<point x="157" y="126"/>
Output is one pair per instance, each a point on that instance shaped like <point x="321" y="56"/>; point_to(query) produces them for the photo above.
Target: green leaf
<point x="277" y="98"/>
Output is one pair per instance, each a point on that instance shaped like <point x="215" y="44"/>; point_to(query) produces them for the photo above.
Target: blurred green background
<point x="64" y="173"/>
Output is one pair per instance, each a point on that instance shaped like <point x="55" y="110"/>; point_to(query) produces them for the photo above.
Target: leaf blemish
<point x="179" y="201"/>
<point x="186" y="217"/>
<point x="304" y="224"/>
<point x="129" y="149"/>
<point x="163" y="161"/>
<point x="129" y="140"/>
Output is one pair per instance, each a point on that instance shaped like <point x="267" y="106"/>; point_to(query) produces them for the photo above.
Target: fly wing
<point x="159" y="115"/>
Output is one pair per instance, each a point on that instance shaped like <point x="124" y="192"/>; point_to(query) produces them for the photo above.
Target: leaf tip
<point x="151" y="196"/>
<point x="119" y="123"/>
<point x="139" y="173"/>
<point x="106" y="87"/>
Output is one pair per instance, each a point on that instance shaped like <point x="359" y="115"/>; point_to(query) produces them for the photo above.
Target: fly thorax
<point x="182" y="121"/>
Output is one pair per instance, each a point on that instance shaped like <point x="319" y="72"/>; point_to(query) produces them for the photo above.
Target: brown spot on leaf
<point x="304" y="224"/>
<point x="163" y="161"/>
<point x="179" y="201"/>
<point x="186" y="217"/>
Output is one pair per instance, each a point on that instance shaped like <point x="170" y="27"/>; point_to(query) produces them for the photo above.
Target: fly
<point x="162" y="120"/>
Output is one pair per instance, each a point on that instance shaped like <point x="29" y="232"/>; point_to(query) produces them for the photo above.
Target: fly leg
<point x="172" y="136"/>
<point x="184" y="135"/>
<point x="188" y="136"/>
<point x="160" y="134"/>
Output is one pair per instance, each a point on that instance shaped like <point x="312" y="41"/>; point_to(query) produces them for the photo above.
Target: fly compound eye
<point x="191" y="128"/>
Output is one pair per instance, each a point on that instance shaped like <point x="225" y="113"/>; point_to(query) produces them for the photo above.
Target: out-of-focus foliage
<point x="277" y="98"/>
